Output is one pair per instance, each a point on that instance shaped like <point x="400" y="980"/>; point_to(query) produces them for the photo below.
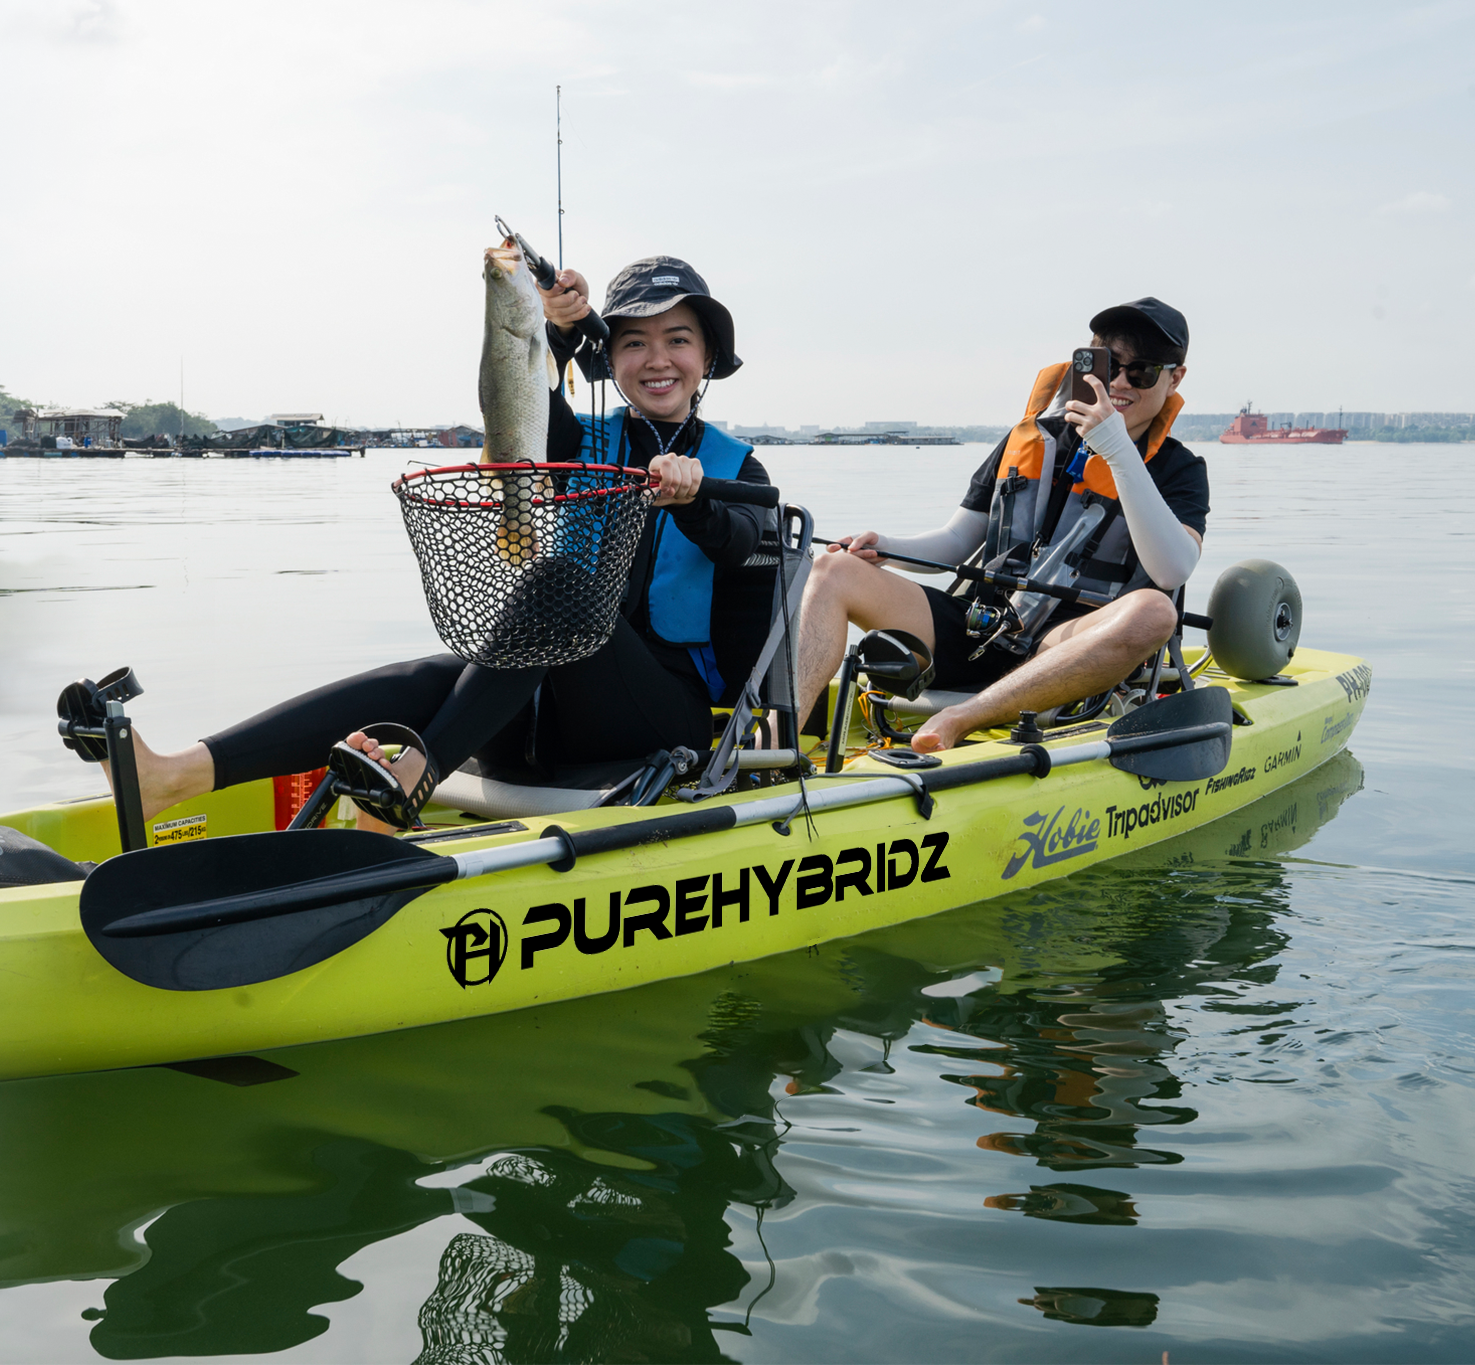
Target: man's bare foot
<point x="941" y="731"/>
<point x="165" y="780"/>
<point x="406" y="773"/>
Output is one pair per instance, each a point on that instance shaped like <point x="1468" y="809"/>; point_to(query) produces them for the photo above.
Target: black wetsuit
<point x="635" y="695"/>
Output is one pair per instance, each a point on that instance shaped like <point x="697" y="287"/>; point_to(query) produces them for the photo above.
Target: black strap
<point x="1008" y="489"/>
<point x="1104" y="571"/>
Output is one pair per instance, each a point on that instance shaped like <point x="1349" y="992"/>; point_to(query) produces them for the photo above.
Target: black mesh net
<point x="524" y="565"/>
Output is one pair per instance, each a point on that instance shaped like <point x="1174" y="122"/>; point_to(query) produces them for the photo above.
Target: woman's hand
<point x="1086" y="417"/>
<point x="862" y="546"/>
<point x="566" y="304"/>
<point x="679" y="477"/>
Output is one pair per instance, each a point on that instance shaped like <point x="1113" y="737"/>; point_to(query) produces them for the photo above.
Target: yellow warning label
<point x="177" y="831"/>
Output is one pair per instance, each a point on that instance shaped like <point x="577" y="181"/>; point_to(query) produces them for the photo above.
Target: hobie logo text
<point x="1046" y="842"/>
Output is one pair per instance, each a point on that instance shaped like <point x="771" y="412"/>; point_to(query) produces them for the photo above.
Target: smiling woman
<point x="661" y="361"/>
<point x="692" y="614"/>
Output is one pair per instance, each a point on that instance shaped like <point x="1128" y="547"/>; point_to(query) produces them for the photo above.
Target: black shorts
<point x="955" y="671"/>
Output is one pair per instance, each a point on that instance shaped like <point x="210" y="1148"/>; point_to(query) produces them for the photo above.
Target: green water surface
<point x="1212" y="1099"/>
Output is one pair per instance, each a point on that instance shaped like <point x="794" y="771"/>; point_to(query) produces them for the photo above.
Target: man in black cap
<point x="1097" y="496"/>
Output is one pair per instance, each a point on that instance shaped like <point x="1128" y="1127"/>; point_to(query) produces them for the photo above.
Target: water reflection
<point x="593" y="1156"/>
<point x="1096" y="1307"/>
<point x="584" y="1264"/>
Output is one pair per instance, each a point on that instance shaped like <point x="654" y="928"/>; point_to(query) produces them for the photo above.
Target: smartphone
<point x="1089" y="360"/>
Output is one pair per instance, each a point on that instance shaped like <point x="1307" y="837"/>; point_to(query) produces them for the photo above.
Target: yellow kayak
<point x="236" y="1130"/>
<point x="475" y="918"/>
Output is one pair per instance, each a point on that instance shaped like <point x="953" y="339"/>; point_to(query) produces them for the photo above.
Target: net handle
<point x="722" y="490"/>
<point x="635" y="473"/>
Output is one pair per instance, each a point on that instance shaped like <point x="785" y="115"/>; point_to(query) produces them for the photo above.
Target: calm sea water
<point x="1215" y="1100"/>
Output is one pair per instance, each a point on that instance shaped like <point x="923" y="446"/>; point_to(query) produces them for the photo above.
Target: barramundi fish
<point x="516" y="375"/>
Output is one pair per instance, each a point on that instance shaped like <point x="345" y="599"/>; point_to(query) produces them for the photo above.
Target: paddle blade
<point x="271" y="865"/>
<point x="1182" y="738"/>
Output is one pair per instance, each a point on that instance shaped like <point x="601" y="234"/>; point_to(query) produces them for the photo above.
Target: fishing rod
<point x="997" y="578"/>
<point x="591" y="324"/>
<point x="558" y="124"/>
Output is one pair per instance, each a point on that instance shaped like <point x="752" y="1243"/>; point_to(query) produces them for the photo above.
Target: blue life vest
<point x="680" y="596"/>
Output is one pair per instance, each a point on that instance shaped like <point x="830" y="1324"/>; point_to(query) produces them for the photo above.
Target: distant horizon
<point x="1467" y="417"/>
<point x="1360" y="418"/>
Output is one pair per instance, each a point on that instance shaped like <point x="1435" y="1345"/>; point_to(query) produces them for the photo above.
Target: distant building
<point x="294" y="419"/>
<point x="890" y="426"/>
<point x="74" y="426"/>
<point x="460" y="436"/>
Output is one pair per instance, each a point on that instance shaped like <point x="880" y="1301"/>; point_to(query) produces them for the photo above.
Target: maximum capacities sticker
<point x="177" y="831"/>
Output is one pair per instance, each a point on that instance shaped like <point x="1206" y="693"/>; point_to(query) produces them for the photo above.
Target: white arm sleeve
<point x="1162" y="542"/>
<point x="951" y="544"/>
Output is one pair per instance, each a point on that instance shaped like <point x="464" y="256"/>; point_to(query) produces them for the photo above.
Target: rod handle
<point x="735" y="490"/>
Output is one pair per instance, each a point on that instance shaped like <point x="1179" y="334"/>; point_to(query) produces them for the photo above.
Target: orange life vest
<point x="1103" y="560"/>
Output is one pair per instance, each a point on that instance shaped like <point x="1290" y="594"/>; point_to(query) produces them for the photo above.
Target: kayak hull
<point x="615" y="920"/>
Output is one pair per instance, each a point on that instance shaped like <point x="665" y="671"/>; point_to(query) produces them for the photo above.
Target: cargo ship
<point x="1254" y="428"/>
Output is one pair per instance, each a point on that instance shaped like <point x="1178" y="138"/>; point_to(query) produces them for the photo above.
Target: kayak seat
<point x="927" y="703"/>
<point x="28" y="862"/>
<point x="499" y="794"/>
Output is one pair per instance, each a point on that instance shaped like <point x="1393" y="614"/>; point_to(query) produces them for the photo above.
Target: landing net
<point x="524" y="565"/>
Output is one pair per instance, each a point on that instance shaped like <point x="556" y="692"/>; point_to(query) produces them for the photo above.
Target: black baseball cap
<point x="1153" y="314"/>
<point x="656" y="284"/>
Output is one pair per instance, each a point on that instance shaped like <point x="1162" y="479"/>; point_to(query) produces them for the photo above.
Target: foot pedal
<point x="92" y="725"/>
<point x="369" y="786"/>
<point x="82" y="711"/>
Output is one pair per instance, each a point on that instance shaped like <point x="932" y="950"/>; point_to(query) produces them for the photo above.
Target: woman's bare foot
<point x="406" y="773"/>
<point x="165" y="780"/>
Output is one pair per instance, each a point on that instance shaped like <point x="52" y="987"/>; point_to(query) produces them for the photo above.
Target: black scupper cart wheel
<point x="1256" y="610"/>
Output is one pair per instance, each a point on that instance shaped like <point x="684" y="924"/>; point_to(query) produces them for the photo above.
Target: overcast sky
<point x="909" y="209"/>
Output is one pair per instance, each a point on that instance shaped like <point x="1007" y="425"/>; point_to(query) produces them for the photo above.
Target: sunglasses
<point x="1141" y="374"/>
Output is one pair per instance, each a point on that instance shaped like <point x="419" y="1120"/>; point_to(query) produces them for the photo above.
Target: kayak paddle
<point x="216" y="913"/>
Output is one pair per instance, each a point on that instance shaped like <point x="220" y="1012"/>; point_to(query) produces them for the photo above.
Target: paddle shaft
<point x="1032" y="759"/>
<point x="561" y="848"/>
<point x="380" y="880"/>
<point x="1015" y="584"/>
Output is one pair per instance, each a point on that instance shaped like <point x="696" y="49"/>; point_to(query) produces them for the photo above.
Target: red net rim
<point x="636" y="479"/>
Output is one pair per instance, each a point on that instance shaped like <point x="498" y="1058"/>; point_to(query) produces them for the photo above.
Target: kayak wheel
<point x="1256" y="610"/>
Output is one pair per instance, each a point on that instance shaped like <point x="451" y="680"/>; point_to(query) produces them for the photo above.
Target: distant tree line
<point x="8" y="405"/>
<point x="1416" y="434"/>
<point x="162" y="419"/>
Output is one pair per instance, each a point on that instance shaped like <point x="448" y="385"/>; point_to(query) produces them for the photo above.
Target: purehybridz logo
<point x="476" y="946"/>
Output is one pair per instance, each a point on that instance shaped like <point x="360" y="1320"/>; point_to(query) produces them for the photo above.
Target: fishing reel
<point x="992" y="623"/>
